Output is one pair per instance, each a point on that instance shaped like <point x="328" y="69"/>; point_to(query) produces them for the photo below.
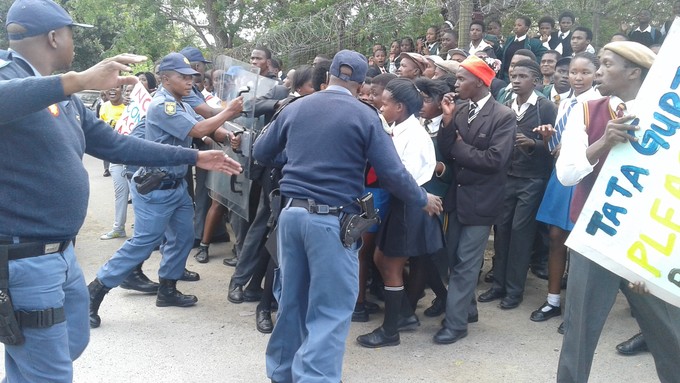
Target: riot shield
<point x="233" y="78"/>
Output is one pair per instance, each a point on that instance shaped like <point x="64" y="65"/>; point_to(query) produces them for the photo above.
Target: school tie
<point x="555" y="139"/>
<point x="426" y="124"/>
<point x="620" y="110"/>
<point x="472" y="113"/>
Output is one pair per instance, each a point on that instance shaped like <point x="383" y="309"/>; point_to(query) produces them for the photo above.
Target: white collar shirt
<point x="648" y="29"/>
<point x="433" y="126"/>
<point x="482" y="45"/>
<point x="520" y="109"/>
<point x="482" y="102"/>
<point x="573" y="164"/>
<point x="415" y="148"/>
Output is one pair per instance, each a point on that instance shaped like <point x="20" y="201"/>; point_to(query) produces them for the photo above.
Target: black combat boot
<point x="168" y="295"/>
<point x="138" y="281"/>
<point x="97" y="291"/>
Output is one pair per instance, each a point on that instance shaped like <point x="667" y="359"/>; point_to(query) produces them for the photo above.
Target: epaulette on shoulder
<point x="284" y="106"/>
<point x="4" y="58"/>
<point x="370" y="106"/>
<point x="385" y="125"/>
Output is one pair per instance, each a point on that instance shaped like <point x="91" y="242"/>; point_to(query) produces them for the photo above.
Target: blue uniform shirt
<point x="195" y="98"/>
<point x="169" y="122"/>
<point x="325" y="161"/>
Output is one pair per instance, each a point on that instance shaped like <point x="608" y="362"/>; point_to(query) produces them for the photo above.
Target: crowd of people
<point x="451" y="142"/>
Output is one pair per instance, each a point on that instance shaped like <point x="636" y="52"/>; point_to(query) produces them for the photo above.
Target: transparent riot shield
<point x="233" y="78"/>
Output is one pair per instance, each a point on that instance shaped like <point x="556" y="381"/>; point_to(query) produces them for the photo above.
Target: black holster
<point x="148" y="180"/>
<point x="10" y="332"/>
<point x="352" y="226"/>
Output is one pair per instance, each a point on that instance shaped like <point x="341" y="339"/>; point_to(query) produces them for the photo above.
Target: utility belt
<point x="313" y="208"/>
<point x="352" y="226"/>
<point x="11" y="322"/>
<point x="169" y="184"/>
<point x="32" y="249"/>
<point x="153" y="179"/>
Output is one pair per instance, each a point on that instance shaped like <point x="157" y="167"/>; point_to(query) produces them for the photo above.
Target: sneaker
<point x="113" y="234"/>
<point x="107" y="173"/>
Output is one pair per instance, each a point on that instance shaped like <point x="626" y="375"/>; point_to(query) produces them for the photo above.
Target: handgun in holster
<point x="353" y="225"/>
<point x="148" y="180"/>
<point x="10" y="332"/>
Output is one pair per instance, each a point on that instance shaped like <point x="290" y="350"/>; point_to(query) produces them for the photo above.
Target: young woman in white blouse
<point x="554" y="209"/>
<point x="408" y="231"/>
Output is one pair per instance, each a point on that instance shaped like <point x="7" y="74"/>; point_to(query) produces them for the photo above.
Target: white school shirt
<point x="572" y="164"/>
<point x="415" y="148"/>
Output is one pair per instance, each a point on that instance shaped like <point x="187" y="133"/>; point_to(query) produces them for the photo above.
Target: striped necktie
<point x="473" y="112"/>
<point x="426" y="124"/>
<point x="559" y="128"/>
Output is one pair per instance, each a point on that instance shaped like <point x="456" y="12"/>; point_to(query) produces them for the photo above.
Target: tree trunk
<point x="464" y="18"/>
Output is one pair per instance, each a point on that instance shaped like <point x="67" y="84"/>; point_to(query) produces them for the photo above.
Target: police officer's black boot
<point x="97" y="291"/>
<point x="138" y="281"/>
<point x="168" y="295"/>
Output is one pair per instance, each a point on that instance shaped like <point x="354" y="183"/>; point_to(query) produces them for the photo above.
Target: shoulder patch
<point x="367" y="104"/>
<point x="170" y="107"/>
<point x="386" y="127"/>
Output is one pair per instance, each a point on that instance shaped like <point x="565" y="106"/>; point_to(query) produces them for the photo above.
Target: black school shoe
<point x="437" y="308"/>
<point x="541" y="315"/>
<point x="378" y="338"/>
<point x="633" y="346"/>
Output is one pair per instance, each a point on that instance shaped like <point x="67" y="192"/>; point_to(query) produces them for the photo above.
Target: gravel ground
<point x="216" y="341"/>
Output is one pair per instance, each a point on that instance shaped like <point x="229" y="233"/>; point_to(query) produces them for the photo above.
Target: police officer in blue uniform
<point x="322" y="178"/>
<point x="44" y="132"/>
<point x="165" y="212"/>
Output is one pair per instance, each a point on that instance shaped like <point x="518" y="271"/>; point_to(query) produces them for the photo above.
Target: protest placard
<point x="135" y="110"/>
<point x="631" y="220"/>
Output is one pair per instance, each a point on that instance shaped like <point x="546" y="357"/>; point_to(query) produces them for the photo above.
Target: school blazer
<point x="480" y="162"/>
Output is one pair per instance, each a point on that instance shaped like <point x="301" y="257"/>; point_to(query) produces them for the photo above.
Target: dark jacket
<point x="480" y="162"/>
<point x="537" y="162"/>
<point x="43" y="136"/>
<point x="533" y="45"/>
<point x="266" y="105"/>
<point x="566" y="43"/>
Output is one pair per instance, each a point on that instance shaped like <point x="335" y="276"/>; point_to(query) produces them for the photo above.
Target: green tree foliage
<point x="132" y="26"/>
<point x="308" y="28"/>
<point x="298" y="30"/>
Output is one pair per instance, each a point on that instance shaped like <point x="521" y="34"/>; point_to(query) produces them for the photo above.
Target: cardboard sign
<point x="135" y="110"/>
<point x="631" y="221"/>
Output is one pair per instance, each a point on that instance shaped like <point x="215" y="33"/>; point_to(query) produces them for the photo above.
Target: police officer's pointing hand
<point x="104" y="75"/>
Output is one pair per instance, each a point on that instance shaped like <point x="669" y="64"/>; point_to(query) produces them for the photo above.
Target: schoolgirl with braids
<point x="407" y="231"/>
<point x="554" y="209"/>
<point x="424" y="270"/>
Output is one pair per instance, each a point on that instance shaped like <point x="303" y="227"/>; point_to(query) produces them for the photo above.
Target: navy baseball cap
<point x="38" y="17"/>
<point x="563" y="61"/>
<point x="194" y="55"/>
<point x="177" y="62"/>
<point x="352" y="59"/>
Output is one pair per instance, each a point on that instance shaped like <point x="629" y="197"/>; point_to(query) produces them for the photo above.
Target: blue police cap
<point x="177" y="62"/>
<point x="194" y="55"/>
<point x="38" y="17"/>
<point x="352" y="59"/>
